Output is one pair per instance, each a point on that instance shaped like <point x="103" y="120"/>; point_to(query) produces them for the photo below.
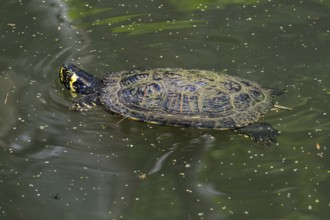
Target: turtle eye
<point x="67" y="78"/>
<point x="65" y="75"/>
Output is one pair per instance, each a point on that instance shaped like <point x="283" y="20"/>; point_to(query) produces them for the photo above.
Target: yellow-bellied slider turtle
<point x="194" y="98"/>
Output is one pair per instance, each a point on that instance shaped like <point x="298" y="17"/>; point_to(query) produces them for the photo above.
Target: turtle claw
<point x="261" y="133"/>
<point x="80" y="107"/>
<point x="84" y="104"/>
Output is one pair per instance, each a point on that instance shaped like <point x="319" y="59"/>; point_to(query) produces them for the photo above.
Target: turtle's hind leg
<point x="262" y="133"/>
<point x="86" y="103"/>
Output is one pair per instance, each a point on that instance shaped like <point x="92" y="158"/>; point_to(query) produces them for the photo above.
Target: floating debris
<point x="6" y="98"/>
<point x="42" y="127"/>
<point x="276" y="107"/>
<point x="318" y="146"/>
<point x="142" y="176"/>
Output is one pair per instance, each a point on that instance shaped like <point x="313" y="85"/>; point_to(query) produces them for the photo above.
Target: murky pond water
<point x="60" y="164"/>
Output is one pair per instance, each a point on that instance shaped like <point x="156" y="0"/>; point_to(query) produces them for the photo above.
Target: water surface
<point x="59" y="164"/>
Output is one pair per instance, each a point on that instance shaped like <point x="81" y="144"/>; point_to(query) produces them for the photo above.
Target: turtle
<point x="178" y="97"/>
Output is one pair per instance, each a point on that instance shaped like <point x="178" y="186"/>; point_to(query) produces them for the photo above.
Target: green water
<point x="59" y="164"/>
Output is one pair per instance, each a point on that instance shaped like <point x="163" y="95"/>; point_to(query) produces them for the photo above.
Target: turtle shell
<point x="196" y="98"/>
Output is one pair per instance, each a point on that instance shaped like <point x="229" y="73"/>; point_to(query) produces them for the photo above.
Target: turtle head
<point x="77" y="80"/>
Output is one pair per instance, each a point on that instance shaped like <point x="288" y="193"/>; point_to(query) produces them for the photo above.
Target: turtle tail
<point x="276" y="92"/>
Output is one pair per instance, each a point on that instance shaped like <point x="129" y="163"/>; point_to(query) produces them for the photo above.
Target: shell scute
<point x="133" y="78"/>
<point x="217" y="105"/>
<point x="232" y="86"/>
<point x="242" y="101"/>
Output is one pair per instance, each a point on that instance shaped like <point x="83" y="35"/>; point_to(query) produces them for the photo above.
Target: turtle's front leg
<point x="86" y="103"/>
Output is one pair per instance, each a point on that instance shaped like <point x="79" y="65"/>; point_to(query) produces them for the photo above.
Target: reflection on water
<point x="58" y="164"/>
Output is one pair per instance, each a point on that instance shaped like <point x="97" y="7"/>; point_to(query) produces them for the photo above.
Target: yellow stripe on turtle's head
<point x="73" y="79"/>
<point x="61" y="74"/>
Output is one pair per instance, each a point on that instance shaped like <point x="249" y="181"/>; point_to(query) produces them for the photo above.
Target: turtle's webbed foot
<point x="80" y="106"/>
<point x="261" y="133"/>
<point x="84" y="104"/>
